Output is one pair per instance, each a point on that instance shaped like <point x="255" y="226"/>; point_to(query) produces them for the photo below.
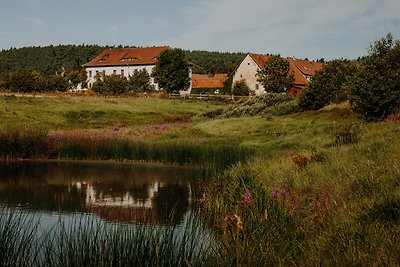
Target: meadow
<point x="309" y="188"/>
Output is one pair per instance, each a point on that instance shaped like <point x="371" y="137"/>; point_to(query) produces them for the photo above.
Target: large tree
<point x="171" y="71"/>
<point x="329" y="85"/>
<point x="276" y="76"/>
<point x="375" y="87"/>
<point x="140" y="81"/>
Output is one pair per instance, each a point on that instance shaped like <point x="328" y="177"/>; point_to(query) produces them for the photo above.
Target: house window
<point x="241" y="76"/>
<point x="104" y="73"/>
<point x="114" y="72"/>
<point x="122" y="73"/>
<point x="248" y="63"/>
<point x="257" y="86"/>
<point x="97" y="73"/>
<point x="90" y="73"/>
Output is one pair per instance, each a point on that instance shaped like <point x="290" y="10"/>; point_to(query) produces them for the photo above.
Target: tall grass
<point x="17" y="239"/>
<point x="336" y="206"/>
<point x="33" y="144"/>
<point x="84" y="241"/>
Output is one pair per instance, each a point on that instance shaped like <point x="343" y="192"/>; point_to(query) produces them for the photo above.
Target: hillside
<point x="47" y="60"/>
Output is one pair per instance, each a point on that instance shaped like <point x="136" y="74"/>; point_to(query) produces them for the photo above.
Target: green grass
<point x="69" y="112"/>
<point x="341" y="208"/>
<point x="325" y="185"/>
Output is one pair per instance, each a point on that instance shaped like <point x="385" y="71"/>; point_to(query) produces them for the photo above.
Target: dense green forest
<point x="51" y="59"/>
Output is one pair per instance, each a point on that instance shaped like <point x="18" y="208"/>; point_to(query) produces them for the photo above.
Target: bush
<point x="241" y="88"/>
<point x="375" y="87"/>
<point x="347" y="134"/>
<point x="112" y="84"/>
<point x="140" y="81"/>
<point x="328" y="85"/>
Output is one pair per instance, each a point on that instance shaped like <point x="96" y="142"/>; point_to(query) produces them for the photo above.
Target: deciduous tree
<point x="375" y="87"/>
<point x="329" y="85"/>
<point x="241" y="88"/>
<point x="276" y="76"/>
<point x="171" y="71"/>
<point x="140" y="81"/>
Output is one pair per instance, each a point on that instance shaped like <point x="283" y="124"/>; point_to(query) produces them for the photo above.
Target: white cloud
<point x="311" y="28"/>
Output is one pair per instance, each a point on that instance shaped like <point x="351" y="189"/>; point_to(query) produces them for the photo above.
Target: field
<point x="311" y="188"/>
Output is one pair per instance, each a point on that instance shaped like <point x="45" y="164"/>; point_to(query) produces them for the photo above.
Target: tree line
<point x="59" y="68"/>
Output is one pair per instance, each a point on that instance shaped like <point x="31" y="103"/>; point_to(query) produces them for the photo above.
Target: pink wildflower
<point x="247" y="197"/>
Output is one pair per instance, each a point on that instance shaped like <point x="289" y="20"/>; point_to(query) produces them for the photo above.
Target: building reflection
<point x="146" y="196"/>
<point x="153" y="203"/>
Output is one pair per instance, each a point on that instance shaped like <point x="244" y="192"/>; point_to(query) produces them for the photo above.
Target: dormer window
<point x="104" y="58"/>
<point x="129" y="59"/>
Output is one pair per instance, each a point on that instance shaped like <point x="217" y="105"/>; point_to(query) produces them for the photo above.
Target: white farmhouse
<point x="303" y="70"/>
<point x="123" y="62"/>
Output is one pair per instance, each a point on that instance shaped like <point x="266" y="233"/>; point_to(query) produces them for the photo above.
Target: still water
<point x="52" y="210"/>
<point x="112" y="192"/>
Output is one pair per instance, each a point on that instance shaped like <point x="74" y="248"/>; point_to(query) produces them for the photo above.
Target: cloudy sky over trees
<point x="307" y="28"/>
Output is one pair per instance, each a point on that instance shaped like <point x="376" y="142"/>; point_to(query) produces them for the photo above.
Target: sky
<point x="303" y="28"/>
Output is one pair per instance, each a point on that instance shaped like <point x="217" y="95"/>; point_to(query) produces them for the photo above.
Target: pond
<point x="65" y="194"/>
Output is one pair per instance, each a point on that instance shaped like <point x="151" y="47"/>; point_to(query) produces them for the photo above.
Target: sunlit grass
<point x="68" y="112"/>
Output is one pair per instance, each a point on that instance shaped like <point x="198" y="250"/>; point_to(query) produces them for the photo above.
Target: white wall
<point x="128" y="71"/>
<point x="247" y="70"/>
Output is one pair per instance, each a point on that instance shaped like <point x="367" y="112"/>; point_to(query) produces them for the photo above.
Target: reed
<point x="33" y="144"/>
<point x="85" y="241"/>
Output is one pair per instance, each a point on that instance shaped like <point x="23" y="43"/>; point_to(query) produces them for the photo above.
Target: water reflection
<point x="126" y="193"/>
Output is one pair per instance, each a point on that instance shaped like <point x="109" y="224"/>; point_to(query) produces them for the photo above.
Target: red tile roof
<point x="204" y="81"/>
<point x="127" y="56"/>
<point x="299" y="67"/>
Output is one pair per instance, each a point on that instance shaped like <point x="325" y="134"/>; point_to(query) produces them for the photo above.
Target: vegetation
<point x="171" y="71"/>
<point x="375" y="87"/>
<point x="276" y="76"/>
<point x="85" y="241"/>
<point x="111" y="84"/>
<point x="140" y="81"/>
<point x="329" y="85"/>
<point x="265" y="105"/>
<point x="60" y="67"/>
<point x="241" y="88"/>
<point x="205" y="62"/>
<point x="319" y="187"/>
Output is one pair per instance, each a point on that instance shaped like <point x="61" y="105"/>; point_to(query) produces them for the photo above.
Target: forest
<point x="51" y="59"/>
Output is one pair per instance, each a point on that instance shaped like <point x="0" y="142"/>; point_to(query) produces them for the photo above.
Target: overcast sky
<point x="300" y="28"/>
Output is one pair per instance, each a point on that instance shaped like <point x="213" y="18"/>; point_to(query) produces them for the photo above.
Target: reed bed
<point x="85" y="241"/>
<point x="36" y="144"/>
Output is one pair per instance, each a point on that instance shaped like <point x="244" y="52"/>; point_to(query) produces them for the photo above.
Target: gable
<point x="299" y="67"/>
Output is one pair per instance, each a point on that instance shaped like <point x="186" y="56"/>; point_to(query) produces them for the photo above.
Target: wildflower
<point x="285" y="193"/>
<point x="247" y="197"/>
<point x="275" y="192"/>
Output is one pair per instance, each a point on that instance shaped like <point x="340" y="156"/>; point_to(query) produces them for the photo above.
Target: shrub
<point x="347" y="134"/>
<point x="241" y="88"/>
<point x="375" y="87"/>
<point x="140" y="81"/>
<point x="111" y="84"/>
<point x="328" y="85"/>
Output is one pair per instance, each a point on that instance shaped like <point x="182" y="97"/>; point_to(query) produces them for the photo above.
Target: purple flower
<point x="285" y="194"/>
<point x="247" y="198"/>
<point x="275" y="192"/>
